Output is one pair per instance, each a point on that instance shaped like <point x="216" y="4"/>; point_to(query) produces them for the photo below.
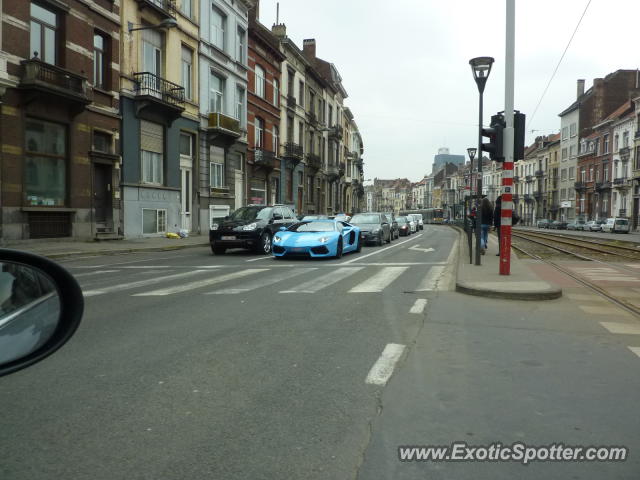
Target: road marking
<point x="379" y="281"/>
<point x="262" y="282"/>
<point x="140" y="283"/>
<point x="97" y="272"/>
<point x="418" y="249"/>
<point x="418" y="306"/>
<point x="430" y="282"/>
<point x="142" y="267"/>
<point x="200" y="283"/>
<point x="324" y="281"/>
<point x="383" y="249"/>
<point x="635" y="350"/>
<point x="257" y="259"/>
<point x="622" y="328"/>
<point x="606" y="310"/>
<point x="383" y="368"/>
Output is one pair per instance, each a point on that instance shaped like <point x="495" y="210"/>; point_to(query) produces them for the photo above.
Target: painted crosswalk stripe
<point x="622" y="328"/>
<point x="635" y="350"/>
<point x="262" y="282"/>
<point x="430" y="282"/>
<point x="317" y="284"/>
<point x="418" y="306"/>
<point x="379" y="281"/>
<point x="140" y="283"/>
<point x="186" y="287"/>
<point x="383" y="368"/>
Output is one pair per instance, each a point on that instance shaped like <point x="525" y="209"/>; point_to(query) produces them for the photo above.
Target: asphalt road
<point x="244" y="367"/>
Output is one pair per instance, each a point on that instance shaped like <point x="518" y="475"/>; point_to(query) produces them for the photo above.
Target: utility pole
<point x="507" y="171"/>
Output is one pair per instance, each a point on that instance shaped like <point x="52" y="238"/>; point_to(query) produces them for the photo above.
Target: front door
<point x="185" y="198"/>
<point x="239" y="189"/>
<point x="102" y="195"/>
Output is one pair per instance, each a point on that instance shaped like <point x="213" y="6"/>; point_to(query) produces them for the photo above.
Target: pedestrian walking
<point x="486" y="220"/>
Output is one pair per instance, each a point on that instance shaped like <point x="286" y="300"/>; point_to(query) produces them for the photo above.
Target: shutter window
<point x="151" y="137"/>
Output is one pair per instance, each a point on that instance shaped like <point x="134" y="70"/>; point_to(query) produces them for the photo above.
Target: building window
<point x="152" y="149"/>
<point x="152" y="55"/>
<point x="572" y="173"/>
<point x="100" y="61"/>
<point x="102" y="142"/>
<point x="187" y="71"/>
<point x="605" y="173"/>
<point x="591" y="174"/>
<point x="301" y="134"/>
<point x="218" y="24"/>
<point x="301" y="93"/>
<point x="216" y="174"/>
<point x="45" y="163"/>
<point x="615" y="142"/>
<point x="563" y="193"/>
<point x="572" y="151"/>
<point x="605" y="144"/>
<point x="154" y="221"/>
<point x="276" y="139"/>
<point x="625" y="139"/>
<point x="240" y="104"/>
<point x="258" y="192"/>
<point x="216" y="93"/>
<point x="187" y="8"/>
<point x="259" y="132"/>
<point x="573" y="130"/>
<point x="276" y="92"/>
<point x="240" y="36"/>
<point x="565" y="133"/>
<point x="43" y="34"/>
<point x="186" y="145"/>
<point x="259" y="87"/>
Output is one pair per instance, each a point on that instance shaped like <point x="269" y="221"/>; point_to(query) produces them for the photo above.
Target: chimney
<point x="279" y="30"/>
<point x="580" y="87"/>
<point x="309" y="47"/>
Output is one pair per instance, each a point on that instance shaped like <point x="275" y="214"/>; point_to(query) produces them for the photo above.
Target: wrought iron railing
<point x="620" y="181"/>
<point x="335" y="132"/>
<point x="151" y="85"/>
<point x="168" y="7"/>
<point x="313" y="161"/>
<point x="291" y="101"/>
<point x="264" y="158"/>
<point x="224" y="123"/>
<point x="529" y="178"/>
<point x="622" y="212"/>
<point x="332" y="170"/>
<point x="293" y="150"/>
<point x="579" y="185"/>
<point x="539" y="173"/>
<point x="38" y="72"/>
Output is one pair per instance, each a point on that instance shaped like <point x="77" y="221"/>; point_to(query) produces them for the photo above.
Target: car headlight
<point x="214" y="226"/>
<point x="251" y="226"/>
<point x="277" y="239"/>
<point x="323" y="239"/>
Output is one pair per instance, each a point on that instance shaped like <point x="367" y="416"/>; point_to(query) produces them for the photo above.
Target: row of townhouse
<point x="389" y="195"/>
<point x="139" y="117"/>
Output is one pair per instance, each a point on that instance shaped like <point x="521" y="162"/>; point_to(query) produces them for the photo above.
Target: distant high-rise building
<point x="443" y="157"/>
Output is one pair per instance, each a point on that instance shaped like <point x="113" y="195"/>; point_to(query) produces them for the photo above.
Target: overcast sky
<point x="405" y="65"/>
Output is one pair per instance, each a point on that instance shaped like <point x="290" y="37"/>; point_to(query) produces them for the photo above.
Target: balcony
<point x="538" y="195"/>
<point x="516" y="179"/>
<point x="335" y="132"/>
<point x="529" y="178"/>
<point x="620" y="183"/>
<point x="580" y="186"/>
<point x="528" y="197"/>
<point x="164" y="8"/>
<point x="291" y="101"/>
<point x="224" y="127"/>
<point x="603" y="186"/>
<point x="49" y="80"/>
<point x="333" y="173"/>
<point x="539" y="173"/>
<point x="516" y="197"/>
<point x="155" y="93"/>
<point x="622" y="212"/>
<point x="313" y="161"/>
<point x="293" y="151"/>
<point x="624" y="153"/>
<point x="313" y="120"/>
<point x="263" y="158"/>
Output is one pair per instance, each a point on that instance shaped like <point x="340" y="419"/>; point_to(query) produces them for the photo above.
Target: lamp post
<point x="166" y="23"/>
<point x="481" y="68"/>
<point x="471" y="151"/>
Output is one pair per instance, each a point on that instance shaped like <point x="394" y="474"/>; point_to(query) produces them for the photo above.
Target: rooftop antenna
<point x="277" y="13"/>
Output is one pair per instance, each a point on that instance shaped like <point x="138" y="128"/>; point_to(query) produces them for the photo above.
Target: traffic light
<point x="495" y="137"/>
<point x="518" y="135"/>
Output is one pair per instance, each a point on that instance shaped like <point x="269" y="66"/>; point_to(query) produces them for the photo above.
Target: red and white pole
<point x="507" y="172"/>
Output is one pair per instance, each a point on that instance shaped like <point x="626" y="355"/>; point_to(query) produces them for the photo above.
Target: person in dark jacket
<point x="497" y="212"/>
<point x="486" y="219"/>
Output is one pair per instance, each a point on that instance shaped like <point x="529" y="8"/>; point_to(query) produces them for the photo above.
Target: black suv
<point x="250" y="227"/>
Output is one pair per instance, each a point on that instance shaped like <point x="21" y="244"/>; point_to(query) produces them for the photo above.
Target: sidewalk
<point x="60" y="248"/>
<point x="486" y="281"/>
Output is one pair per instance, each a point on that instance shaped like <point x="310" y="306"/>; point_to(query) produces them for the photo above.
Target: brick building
<point x="59" y="123"/>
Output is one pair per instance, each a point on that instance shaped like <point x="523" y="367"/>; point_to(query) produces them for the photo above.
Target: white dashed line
<point x="383" y="368"/>
<point x="418" y="306"/>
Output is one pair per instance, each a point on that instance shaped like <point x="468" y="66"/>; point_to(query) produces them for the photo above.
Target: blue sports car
<point x="316" y="238"/>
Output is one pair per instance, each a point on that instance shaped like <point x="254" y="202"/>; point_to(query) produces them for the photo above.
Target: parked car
<point x="250" y="227"/>
<point x="404" y="226"/>
<point x="395" y="231"/>
<point x="417" y="218"/>
<point x="343" y="217"/>
<point x="374" y="227"/>
<point x="544" y="223"/>
<point x="412" y="224"/>
<point x="616" y="225"/>
<point x="317" y="238"/>
<point x="558" y="225"/>
<point x="576" y="225"/>
<point x="594" y="225"/>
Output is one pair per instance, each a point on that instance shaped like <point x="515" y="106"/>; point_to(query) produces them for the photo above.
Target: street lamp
<point x="471" y="151"/>
<point x="481" y="68"/>
<point x="166" y="23"/>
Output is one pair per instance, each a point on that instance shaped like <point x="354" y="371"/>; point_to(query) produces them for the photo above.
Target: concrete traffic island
<point x="486" y="281"/>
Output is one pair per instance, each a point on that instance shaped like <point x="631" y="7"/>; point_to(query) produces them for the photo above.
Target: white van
<point x="617" y="224"/>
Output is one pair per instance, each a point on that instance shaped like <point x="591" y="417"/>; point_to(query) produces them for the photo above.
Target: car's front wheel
<point x="265" y="243"/>
<point x="339" y="249"/>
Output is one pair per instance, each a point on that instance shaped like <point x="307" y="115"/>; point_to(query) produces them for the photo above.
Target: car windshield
<point x="622" y="222"/>
<point x="315" y="226"/>
<point x="370" y="218"/>
<point x="401" y="219"/>
<point x="249" y="214"/>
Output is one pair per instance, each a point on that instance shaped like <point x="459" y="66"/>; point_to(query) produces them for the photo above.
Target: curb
<point x="96" y="253"/>
<point x="462" y="287"/>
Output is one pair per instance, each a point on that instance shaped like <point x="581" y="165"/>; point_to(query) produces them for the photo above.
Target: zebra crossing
<point x="220" y="281"/>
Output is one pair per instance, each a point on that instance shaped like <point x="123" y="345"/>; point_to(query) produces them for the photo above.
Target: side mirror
<point x="41" y="305"/>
